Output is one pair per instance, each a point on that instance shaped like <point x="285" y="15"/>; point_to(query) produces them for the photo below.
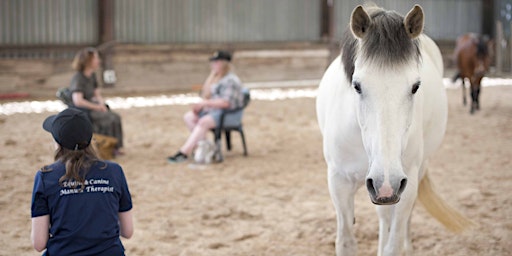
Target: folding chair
<point x="231" y="120"/>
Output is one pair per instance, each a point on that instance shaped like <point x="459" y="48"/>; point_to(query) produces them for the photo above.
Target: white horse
<point x="382" y="112"/>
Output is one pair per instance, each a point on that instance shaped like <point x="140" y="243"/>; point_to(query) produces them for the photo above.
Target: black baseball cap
<point x="70" y="128"/>
<point x="221" y="55"/>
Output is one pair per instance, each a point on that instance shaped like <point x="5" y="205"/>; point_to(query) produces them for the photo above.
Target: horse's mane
<point x="387" y="43"/>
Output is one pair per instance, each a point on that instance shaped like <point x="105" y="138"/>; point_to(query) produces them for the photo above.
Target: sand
<point x="275" y="201"/>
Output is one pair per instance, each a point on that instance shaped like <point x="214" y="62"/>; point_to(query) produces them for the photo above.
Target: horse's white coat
<point x="385" y="131"/>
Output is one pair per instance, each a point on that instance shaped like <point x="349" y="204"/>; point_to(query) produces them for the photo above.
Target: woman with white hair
<point x="221" y="90"/>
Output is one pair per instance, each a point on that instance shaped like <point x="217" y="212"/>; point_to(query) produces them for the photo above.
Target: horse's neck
<point x="335" y="98"/>
<point x="433" y="115"/>
<point x="430" y="50"/>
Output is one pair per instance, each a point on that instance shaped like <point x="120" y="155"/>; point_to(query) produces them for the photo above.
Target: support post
<point x="499" y="47"/>
<point x="106" y="39"/>
<point x="510" y="48"/>
<point x="334" y="50"/>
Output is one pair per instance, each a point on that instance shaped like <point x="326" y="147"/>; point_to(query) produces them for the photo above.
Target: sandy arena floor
<point x="274" y="202"/>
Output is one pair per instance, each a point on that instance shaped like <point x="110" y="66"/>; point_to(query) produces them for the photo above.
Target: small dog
<point x="104" y="145"/>
<point x="204" y="152"/>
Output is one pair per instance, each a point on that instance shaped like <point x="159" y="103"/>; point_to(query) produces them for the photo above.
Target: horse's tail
<point x="439" y="209"/>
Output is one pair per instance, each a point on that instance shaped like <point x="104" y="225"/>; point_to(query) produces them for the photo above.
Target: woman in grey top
<point x="87" y="96"/>
<point x="221" y="90"/>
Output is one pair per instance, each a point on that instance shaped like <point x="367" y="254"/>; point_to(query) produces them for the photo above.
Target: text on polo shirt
<point x="91" y="186"/>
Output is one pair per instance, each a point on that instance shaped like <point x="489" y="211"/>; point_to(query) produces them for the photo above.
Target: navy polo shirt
<point x="82" y="222"/>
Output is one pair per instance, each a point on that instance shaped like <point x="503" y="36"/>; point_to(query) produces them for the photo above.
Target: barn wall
<point x="444" y="20"/>
<point x="75" y="22"/>
<point x="213" y="21"/>
<point x="49" y="22"/>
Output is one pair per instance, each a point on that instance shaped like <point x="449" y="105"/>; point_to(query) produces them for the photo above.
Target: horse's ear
<point x="359" y="22"/>
<point x="414" y="22"/>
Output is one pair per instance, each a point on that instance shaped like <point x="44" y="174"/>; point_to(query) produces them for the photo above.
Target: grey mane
<point x="386" y="44"/>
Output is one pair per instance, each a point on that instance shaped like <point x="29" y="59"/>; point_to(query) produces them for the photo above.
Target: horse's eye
<point x="357" y="87"/>
<point x="415" y="87"/>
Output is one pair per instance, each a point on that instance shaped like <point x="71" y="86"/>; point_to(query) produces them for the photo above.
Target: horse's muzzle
<point x="385" y="200"/>
<point x="385" y="196"/>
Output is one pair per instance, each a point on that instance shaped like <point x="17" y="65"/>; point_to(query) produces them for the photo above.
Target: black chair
<point x="64" y="94"/>
<point x="231" y="120"/>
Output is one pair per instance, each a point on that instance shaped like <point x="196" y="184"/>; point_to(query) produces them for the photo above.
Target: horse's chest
<point x="345" y="152"/>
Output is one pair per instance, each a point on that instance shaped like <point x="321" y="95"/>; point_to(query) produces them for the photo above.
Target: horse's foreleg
<point x="463" y="92"/>
<point x="385" y="213"/>
<point x="408" y="239"/>
<point x="475" y="92"/>
<point x="474" y="97"/>
<point x="342" y="192"/>
<point x="477" y="97"/>
<point x="400" y="222"/>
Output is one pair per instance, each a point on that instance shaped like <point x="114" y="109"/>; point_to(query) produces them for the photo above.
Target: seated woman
<point x="221" y="90"/>
<point x="87" y="96"/>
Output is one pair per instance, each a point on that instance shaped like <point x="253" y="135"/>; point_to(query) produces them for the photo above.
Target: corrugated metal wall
<point x="503" y="13"/>
<point x="56" y="22"/>
<point x="206" y="21"/>
<point x="444" y="20"/>
<point x="68" y="22"/>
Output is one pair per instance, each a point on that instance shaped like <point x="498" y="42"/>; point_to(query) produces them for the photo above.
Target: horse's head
<point x="484" y="54"/>
<point x="383" y="64"/>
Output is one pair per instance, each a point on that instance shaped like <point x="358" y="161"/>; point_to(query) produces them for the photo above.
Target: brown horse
<point x="473" y="57"/>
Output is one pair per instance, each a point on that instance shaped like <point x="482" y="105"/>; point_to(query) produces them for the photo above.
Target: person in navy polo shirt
<point x="80" y="204"/>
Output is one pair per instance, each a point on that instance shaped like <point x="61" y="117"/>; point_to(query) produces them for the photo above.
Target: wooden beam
<point x="330" y="29"/>
<point x="499" y="47"/>
<point x="106" y="37"/>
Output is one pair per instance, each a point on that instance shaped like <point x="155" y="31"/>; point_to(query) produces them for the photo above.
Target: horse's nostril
<point x="403" y="183"/>
<point x="370" y="187"/>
